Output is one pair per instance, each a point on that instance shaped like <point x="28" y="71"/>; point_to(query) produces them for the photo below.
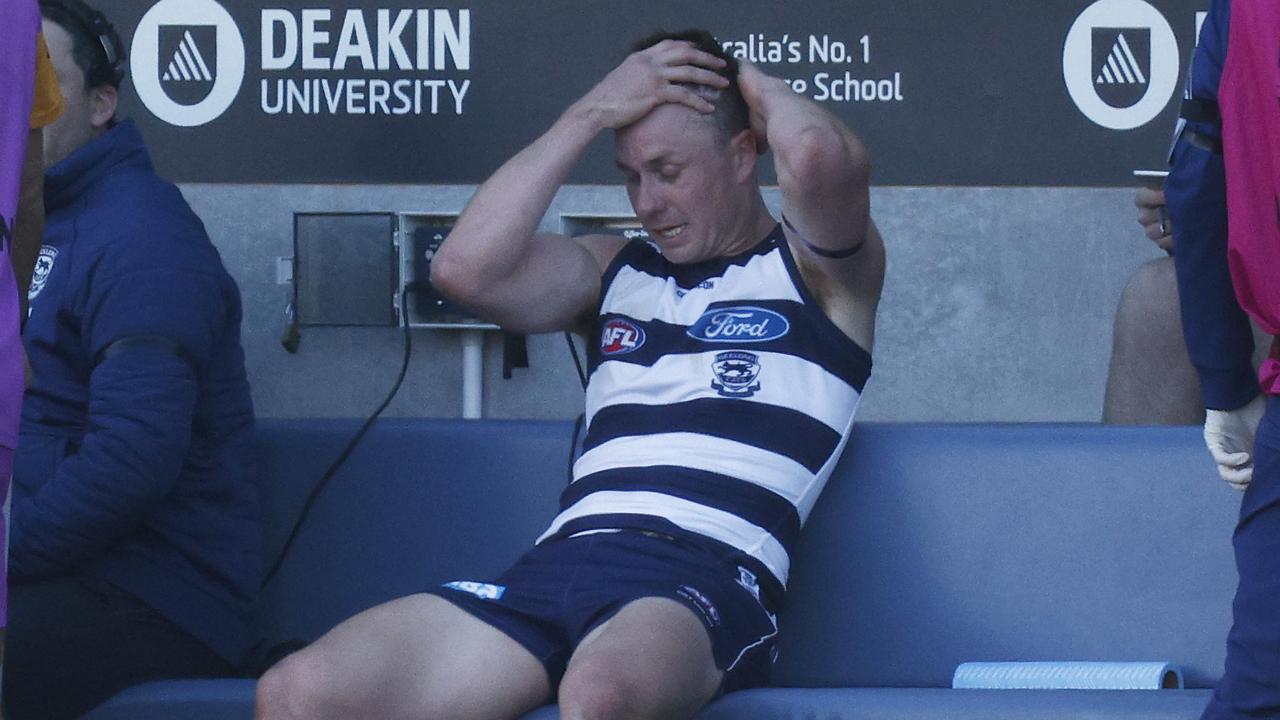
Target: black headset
<point x="108" y="64"/>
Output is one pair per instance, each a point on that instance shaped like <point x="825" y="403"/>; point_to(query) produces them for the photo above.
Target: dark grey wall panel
<point x="955" y="92"/>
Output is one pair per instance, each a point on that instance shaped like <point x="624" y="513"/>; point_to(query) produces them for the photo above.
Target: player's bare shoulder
<point x="848" y="288"/>
<point x="603" y="248"/>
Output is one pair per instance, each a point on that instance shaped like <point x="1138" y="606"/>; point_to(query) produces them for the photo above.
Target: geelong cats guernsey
<point x="720" y="398"/>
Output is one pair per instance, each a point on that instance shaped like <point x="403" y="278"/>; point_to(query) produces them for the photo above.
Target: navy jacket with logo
<point x="135" y="455"/>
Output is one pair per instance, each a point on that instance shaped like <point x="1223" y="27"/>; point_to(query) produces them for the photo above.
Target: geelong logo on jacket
<point x="44" y="266"/>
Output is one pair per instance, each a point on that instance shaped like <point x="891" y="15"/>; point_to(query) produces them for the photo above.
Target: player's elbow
<point x="823" y="156"/>
<point x="456" y="278"/>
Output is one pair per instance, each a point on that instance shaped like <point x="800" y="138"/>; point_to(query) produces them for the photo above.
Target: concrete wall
<point x="998" y="306"/>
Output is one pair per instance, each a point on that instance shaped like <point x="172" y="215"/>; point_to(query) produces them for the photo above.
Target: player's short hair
<point x="731" y="113"/>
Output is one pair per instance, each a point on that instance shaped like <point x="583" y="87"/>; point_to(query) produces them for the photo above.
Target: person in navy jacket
<point x="136" y="547"/>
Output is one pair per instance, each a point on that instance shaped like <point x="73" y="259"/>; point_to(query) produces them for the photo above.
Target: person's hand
<point x="654" y="76"/>
<point x="1229" y="435"/>
<point x="1153" y="216"/>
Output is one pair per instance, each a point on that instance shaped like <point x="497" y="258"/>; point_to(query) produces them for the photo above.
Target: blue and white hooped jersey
<point x="720" y="398"/>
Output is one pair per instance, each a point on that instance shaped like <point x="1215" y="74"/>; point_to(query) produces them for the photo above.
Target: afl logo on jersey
<point x="743" y="324"/>
<point x="620" y="337"/>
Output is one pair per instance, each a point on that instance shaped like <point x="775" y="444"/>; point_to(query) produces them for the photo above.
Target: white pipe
<point x="472" y="373"/>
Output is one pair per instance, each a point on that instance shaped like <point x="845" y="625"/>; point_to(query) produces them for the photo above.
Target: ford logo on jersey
<point x="620" y="337"/>
<point x="739" y="325"/>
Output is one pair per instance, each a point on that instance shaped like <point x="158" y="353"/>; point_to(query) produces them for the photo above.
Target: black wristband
<point x="833" y="254"/>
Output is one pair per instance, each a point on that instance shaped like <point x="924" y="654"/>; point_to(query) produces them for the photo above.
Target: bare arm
<point x="824" y="173"/>
<point x="494" y="263"/>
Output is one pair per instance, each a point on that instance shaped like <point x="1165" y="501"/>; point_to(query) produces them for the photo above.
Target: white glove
<point x="1229" y="435"/>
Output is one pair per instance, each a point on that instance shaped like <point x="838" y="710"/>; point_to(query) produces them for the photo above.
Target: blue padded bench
<point x="932" y="545"/>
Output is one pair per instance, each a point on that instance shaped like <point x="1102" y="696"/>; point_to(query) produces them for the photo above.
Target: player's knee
<point x="1151" y="295"/>
<point x="598" y="695"/>
<point x="293" y="689"/>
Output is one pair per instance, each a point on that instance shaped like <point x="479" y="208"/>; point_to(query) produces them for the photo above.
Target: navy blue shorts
<point x="564" y="588"/>
<point x="1248" y="688"/>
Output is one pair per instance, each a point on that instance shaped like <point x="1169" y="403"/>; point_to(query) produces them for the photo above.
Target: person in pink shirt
<point x="1222" y="191"/>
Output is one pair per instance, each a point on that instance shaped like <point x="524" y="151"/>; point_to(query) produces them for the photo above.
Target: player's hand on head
<point x="1154" y="217"/>
<point x="654" y="76"/>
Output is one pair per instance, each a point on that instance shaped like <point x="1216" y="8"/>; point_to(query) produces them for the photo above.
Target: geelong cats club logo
<point x="44" y="266"/>
<point x="736" y="374"/>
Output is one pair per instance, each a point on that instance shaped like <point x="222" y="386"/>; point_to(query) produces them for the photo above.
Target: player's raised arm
<point x="495" y="263"/>
<point x="824" y="173"/>
<point x="822" y="166"/>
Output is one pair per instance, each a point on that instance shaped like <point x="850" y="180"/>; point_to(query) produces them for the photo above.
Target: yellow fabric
<point x="46" y="105"/>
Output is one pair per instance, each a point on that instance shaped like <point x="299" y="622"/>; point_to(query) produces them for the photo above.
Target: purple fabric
<point x="19" y="25"/>
<point x="6" y="468"/>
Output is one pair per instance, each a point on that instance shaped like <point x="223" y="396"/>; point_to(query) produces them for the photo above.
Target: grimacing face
<point x="684" y="184"/>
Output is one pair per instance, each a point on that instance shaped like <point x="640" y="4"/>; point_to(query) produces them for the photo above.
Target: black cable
<point x="580" y="422"/>
<point x="577" y="361"/>
<point x="351" y="446"/>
